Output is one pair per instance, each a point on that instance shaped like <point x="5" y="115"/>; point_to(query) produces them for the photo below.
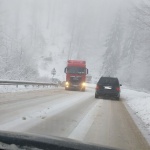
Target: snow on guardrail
<point x="15" y="82"/>
<point x="17" y="86"/>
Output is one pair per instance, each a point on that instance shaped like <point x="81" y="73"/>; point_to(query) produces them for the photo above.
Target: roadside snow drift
<point x="139" y="103"/>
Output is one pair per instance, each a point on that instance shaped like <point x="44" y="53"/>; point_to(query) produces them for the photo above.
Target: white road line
<point x="82" y="129"/>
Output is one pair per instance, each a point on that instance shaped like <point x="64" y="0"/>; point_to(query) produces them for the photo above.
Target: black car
<point x="108" y="87"/>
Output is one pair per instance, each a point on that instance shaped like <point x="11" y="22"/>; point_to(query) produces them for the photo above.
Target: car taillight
<point x="118" y="89"/>
<point x="97" y="87"/>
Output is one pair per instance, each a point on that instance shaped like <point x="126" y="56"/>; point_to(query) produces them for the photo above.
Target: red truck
<point x="76" y="72"/>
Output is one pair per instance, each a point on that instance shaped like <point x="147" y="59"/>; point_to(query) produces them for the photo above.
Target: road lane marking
<point x="83" y="127"/>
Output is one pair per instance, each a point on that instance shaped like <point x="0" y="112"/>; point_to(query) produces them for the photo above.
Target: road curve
<point x="71" y="114"/>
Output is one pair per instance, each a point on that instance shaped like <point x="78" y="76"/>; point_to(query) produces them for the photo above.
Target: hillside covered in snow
<point x="37" y="36"/>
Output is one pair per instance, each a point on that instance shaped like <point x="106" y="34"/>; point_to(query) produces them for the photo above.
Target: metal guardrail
<point x="26" y="83"/>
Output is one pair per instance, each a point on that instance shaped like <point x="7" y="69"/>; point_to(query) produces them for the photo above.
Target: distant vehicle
<point x="88" y="78"/>
<point x="108" y="87"/>
<point x="55" y="80"/>
<point x="76" y="72"/>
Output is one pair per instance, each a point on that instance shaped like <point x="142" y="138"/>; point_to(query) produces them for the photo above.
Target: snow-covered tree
<point x="111" y="62"/>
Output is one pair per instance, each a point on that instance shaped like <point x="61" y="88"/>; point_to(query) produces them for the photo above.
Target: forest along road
<point x="72" y="114"/>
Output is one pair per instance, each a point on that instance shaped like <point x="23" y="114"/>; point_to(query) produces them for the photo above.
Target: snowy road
<point x="71" y="114"/>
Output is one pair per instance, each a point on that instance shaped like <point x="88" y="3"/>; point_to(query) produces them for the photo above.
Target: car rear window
<point x="109" y="81"/>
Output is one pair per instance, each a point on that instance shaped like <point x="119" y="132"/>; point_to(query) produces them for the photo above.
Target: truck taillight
<point x="97" y="87"/>
<point x="118" y="89"/>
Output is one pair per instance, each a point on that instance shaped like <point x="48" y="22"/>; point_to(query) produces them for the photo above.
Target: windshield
<point x="108" y="81"/>
<point x="76" y="70"/>
<point x="53" y="54"/>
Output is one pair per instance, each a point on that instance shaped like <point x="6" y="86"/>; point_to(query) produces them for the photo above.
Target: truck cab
<point x="76" y="72"/>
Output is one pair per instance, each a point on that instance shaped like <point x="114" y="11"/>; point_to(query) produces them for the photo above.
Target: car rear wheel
<point x="118" y="98"/>
<point x="96" y="96"/>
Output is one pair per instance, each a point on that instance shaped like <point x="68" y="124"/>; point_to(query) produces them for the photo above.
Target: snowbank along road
<point x="72" y="114"/>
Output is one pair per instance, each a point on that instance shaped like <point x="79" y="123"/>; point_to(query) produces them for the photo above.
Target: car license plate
<point x="108" y="87"/>
<point x="75" y="85"/>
